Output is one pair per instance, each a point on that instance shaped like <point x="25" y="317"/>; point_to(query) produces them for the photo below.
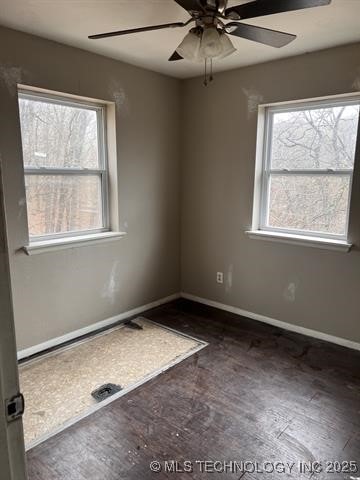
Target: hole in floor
<point x="105" y="391"/>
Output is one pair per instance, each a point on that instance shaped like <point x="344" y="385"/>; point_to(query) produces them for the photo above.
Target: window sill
<point x="71" y="242"/>
<point x="301" y="240"/>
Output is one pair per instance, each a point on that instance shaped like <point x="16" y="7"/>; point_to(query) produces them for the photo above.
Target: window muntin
<point x="65" y="166"/>
<point x="308" y="167"/>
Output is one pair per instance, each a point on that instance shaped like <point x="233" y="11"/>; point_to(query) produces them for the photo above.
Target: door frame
<point x="12" y="448"/>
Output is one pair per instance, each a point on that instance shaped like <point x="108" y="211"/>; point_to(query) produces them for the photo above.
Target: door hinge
<point x="15" y="407"/>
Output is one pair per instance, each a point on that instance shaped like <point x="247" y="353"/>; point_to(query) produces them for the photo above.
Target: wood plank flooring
<point x="256" y="393"/>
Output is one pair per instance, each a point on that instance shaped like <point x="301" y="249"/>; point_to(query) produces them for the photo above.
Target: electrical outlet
<point x="219" y="277"/>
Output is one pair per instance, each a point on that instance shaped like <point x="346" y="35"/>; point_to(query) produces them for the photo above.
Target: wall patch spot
<point x="229" y="278"/>
<point x="22" y="206"/>
<point x="254" y="99"/>
<point x="117" y="92"/>
<point x="11" y="76"/>
<point x="111" y="287"/>
<point x="290" y="292"/>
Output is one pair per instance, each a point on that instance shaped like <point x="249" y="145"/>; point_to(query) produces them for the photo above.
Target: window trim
<point x="64" y="243"/>
<point x="263" y="171"/>
<point x="102" y="171"/>
<point x="300" y="240"/>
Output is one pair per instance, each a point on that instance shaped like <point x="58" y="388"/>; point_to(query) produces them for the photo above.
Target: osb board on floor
<point x="57" y="387"/>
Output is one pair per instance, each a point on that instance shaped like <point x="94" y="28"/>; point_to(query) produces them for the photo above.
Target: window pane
<point x="314" y="203"/>
<point x="58" y="136"/>
<point x="319" y="138"/>
<point x="63" y="203"/>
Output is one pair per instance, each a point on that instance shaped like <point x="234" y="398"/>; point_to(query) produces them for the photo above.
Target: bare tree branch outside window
<point x="321" y="142"/>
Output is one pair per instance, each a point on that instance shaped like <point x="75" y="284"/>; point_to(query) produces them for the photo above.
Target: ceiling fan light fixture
<point x="210" y="43"/>
<point x="226" y="45"/>
<point x="189" y="48"/>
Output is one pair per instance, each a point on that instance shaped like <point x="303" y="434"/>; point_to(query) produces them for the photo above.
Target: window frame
<point x="267" y="172"/>
<point x="102" y="171"/>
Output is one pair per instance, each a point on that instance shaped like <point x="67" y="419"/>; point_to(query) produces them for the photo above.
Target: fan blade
<point x="190" y="5"/>
<point x="260" y="8"/>
<point x="260" y="35"/>
<point x="175" y="56"/>
<point x="137" y="30"/>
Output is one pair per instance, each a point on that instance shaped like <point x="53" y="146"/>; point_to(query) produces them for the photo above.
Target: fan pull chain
<point x="208" y="77"/>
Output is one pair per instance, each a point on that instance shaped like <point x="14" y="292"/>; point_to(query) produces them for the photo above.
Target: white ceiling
<point x="71" y="21"/>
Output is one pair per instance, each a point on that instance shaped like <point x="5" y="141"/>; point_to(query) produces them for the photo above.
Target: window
<point x="65" y="166"/>
<point x="307" y="168"/>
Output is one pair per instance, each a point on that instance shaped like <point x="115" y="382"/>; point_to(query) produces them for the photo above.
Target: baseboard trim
<point x="27" y="352"/>
<point x="277" y="323"/>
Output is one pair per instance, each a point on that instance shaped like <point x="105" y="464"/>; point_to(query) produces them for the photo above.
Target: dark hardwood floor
<point x="256" y="393"/>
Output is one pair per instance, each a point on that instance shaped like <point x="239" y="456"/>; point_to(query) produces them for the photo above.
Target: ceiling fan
<point x="214" y="21"/>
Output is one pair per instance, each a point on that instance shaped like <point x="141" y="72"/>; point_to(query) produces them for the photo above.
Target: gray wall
<point x="58" y="292"/>
<point x="217" y="190"/>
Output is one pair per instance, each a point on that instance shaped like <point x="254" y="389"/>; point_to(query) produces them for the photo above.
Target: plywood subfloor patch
<point x="57" y="387"/>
